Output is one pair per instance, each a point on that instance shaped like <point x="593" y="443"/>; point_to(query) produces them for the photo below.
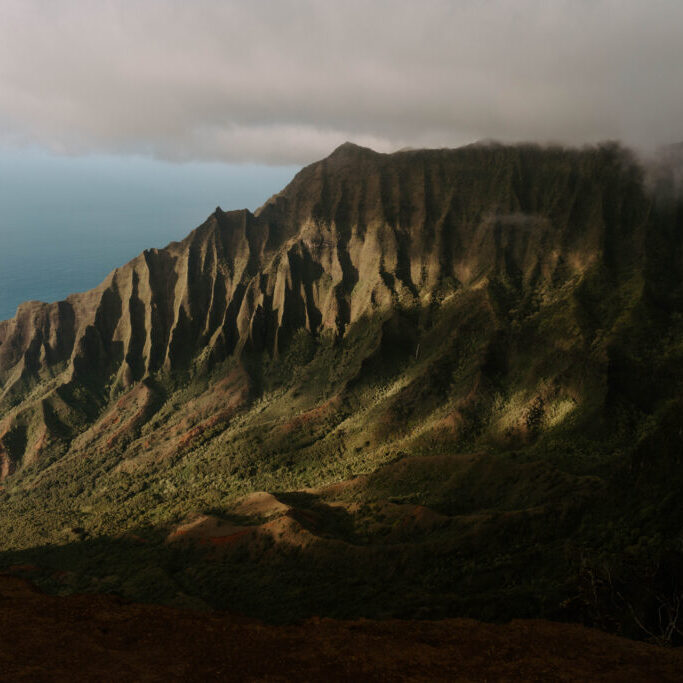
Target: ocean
<point x="66" y="222"/>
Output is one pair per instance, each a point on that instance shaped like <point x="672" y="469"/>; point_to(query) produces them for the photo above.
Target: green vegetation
<point x="504" y="447"/>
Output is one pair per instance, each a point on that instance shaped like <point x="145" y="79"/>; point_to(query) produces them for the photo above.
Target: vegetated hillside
<point x="454" y="375"/>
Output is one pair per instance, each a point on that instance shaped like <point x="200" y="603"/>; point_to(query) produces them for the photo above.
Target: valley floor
<point x="102" y="638"/>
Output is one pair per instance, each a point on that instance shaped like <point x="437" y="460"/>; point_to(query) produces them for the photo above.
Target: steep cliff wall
<point x="351" y="236"/>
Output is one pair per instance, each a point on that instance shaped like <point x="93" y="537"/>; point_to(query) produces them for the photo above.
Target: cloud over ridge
<point x="286" y="81"/>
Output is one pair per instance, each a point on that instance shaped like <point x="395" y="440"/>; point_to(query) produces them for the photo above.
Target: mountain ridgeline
<point x="355" y="235"/>
<point x="476" y="339"/>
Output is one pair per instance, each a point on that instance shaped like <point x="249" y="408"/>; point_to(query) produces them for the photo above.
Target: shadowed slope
<point x="103" y="638"/>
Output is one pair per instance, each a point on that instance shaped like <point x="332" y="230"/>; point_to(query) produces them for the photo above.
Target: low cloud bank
<point x="287" y="81"/>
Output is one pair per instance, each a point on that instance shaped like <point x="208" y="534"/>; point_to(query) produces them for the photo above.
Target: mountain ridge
<point x="455" y="375"/>
<point x="319" y="255"/>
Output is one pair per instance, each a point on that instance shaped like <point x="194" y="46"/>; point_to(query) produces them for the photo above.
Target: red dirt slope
<point x="100" y="638"/>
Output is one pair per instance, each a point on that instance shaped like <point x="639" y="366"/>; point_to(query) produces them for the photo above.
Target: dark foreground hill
<point x="433" y="383"/>
<point x="100" y="638"/>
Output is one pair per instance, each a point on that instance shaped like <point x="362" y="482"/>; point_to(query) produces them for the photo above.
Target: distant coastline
<point x="66" y="222"/>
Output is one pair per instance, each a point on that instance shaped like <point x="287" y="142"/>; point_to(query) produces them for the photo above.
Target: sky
<point x="286" y="81"/>
<point x="124" y="123"/>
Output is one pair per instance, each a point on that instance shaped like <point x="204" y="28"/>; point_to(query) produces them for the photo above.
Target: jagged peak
<point x="348" y="149"/>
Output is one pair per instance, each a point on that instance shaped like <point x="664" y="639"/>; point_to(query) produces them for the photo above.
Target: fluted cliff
<point x="352" y="236"/>
<point x="447" y="382"/>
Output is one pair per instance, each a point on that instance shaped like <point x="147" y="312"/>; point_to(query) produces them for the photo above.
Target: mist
<point x="286" y="82"/>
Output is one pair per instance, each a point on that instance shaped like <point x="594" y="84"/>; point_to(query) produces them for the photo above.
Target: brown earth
<point x="259" y="503"/>
<point x="205" y="528"/>
<point x="101" y="638"/>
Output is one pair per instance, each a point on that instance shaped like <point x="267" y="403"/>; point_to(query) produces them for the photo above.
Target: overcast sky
<point x="285" y="81"/>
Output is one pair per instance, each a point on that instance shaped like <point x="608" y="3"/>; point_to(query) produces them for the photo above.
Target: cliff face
<point x="352" y="236"/>
<point x="454" y="376"/>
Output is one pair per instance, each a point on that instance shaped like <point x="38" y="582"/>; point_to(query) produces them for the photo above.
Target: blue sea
<point x="66" y="222"/>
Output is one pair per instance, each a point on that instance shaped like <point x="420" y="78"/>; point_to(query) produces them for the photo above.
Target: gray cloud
<point x="287" y="80"/>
